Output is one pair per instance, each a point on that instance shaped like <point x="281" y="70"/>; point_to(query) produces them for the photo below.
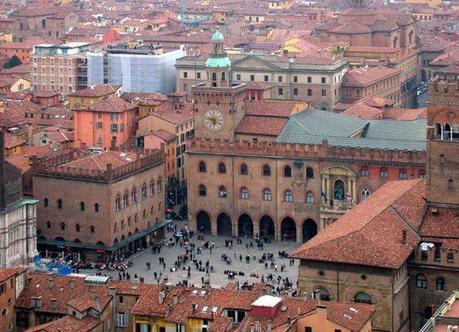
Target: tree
<point x="12" y="62"/>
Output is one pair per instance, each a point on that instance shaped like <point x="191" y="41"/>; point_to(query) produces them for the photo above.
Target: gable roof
<point x="371" y="233"/>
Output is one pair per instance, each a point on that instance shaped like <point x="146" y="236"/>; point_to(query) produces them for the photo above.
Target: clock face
<point x="213" y="120"/>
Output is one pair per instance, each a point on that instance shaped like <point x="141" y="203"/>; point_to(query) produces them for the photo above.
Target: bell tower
<point x="443" y="141"/>
<point x="218" y="103"/>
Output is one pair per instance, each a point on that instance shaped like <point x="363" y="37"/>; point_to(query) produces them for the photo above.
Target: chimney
<point x="72" y="284"/>
<point x="112" y="291"/>
<point x="33" y="302"/>
<point x="39" y="302"/>
<point x="2" y="172"/>
<point x="269" y="326"/>
<point x="161" y="296"/>
<point x="404" y="236"/>
<point x="175" y="299"/>
<point x="50" y="283"/>
<point x="54" y="303"/>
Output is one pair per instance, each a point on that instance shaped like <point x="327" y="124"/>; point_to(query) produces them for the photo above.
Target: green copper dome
<point x="217" y="36"/>
<point x="218" y="62"/>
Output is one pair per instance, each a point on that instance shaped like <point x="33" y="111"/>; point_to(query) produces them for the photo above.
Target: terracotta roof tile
<point x="111" y="105"/>
<point x="371" y="233"/>
<point x="261" y="125"/>
<point x="9" y="272"/>
<point x="97" y="90"/>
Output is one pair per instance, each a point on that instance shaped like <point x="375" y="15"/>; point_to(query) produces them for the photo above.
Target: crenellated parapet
<point x="305" y="151"/>
<point x="429" y="255"/>
<point x="444" y="91"/>
<point x="56" y="166"/>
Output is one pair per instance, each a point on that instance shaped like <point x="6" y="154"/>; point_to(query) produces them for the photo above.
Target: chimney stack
<point x="404" y="236"/>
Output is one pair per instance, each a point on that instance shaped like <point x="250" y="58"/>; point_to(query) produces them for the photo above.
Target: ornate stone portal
<point x="338" y="193"/>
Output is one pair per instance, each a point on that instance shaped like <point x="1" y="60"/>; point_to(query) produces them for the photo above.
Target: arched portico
<point x="288" y="229"/>
<point x="267" y="229"/>
<point x="309" y="229"/>
<point x="245" y="226"/>
<point x="224" y="226"/>
<point x="203" y="222"/>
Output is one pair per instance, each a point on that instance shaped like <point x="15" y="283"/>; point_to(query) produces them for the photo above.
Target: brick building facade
<point x="110" y="202"/>
<point x="268" y="172"/>
<point x="407" y="231"/>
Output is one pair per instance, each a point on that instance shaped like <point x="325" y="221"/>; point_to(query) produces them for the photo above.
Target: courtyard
<point x="222" y="264"/>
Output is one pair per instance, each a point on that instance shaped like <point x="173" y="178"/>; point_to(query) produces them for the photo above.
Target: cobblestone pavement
<point x="218" y="278"/>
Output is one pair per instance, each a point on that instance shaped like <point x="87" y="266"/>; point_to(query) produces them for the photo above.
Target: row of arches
<point x="321" y="293"/>
<point x="245" y="227"/>
<point x="130" y="197"/>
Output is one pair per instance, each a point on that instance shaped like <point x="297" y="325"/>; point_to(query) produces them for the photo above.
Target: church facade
<point x="259" y="168"/>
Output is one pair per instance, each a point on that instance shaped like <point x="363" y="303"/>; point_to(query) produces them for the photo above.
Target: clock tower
<point x="218" y="103"/>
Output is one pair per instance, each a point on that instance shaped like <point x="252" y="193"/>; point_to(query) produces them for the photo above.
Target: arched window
<point x="82" y="207"/>
<point x="160" y="184"/>
<point x="134" y="195"/>
<point x="62" y="226"/>
<point x="288" y="196"/>
<point x="202" y="190"/>
<point x="362" y="297"/>
<point x="221" y="168"/>
<point x="421" y="281"/>
<point x="92" y="229"/>
<point x="48" y="224"/>
<point x="59" y="203"/>
<point x="364" y="194"/>
<point x="96" y="207"/>
<point x="115" y="228"/>
<point x="244" y="170"/>
<point x="77" y="227"/>
<point x="118" y="202"/>
<point x="222" y="192"/>
<point x="383" y="173"/>
<point x="266" y="170"/>
<point x="126" y="199"/>
<point x="309" y="197"/>
<point x="440" y="283"/>
<point x="244" y="194"/>
<point x="322" y="294"/>
<point x="136" y="218"/>
<point x="43" y="23"/>
<point x="309" y="173"/>
<point x="438" y="129"/>
<point x="144" y="191"/>
<point x="46" y="202"/>
<point x="266" y="194"/>
<point x="450" y="183"/>
<point x="364" y="171"/>
<point x="152" y="187"/>
<point x="129" y="221"/>
<point x="202" y="167"/>
<point x="287" y="172"/>
<point x="123" y="225"/>
<point x="402" y="175"/>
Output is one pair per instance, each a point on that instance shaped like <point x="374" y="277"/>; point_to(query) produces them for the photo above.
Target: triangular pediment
<point x="254" y="62"/>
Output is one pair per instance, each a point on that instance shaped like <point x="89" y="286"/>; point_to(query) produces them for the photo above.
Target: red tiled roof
<point x="97" y="90"/>
<point x="363" y="77"/>
<point x="277" y="108"/>
<point x="57" y="291"/>
<point x="68" y="324"/>
<point x="164" y="134"/>
<point x="261" y="125"/>
<point x="101" y="160"/>
<point x="175" y="116"/>
<point x="371" y="233"/>
<point x="5" y="274"/>
<point x="441" y="226"/>
<point x="111" y="105"/>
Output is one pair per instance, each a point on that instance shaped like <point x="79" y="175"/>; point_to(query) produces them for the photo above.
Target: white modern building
<point x="135" y="66"/>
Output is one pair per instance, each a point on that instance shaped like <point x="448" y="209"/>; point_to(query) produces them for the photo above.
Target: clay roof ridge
<point x="97" y="164"/>
<point x="404" y="222"/>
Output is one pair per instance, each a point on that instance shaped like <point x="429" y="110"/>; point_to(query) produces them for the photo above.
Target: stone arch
<point x="59" y="238"/>
<point x="203" y="224"/>
<point x="224" y="225"/>
<point x="245" y="225"/>
<point x="309" y="229"/>
<point x="267" y="228"/>
<point x="288" y="229"/>
<point x="321" y="293"/>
